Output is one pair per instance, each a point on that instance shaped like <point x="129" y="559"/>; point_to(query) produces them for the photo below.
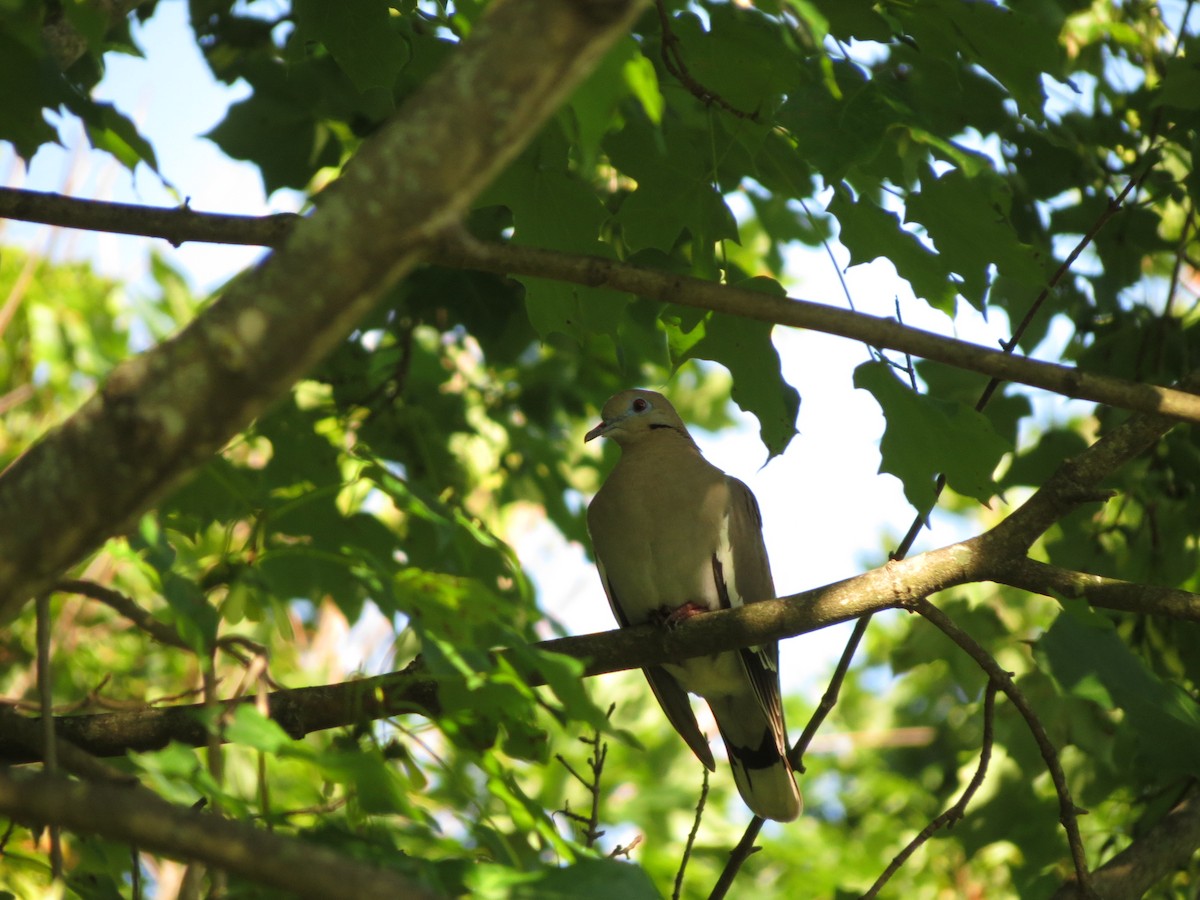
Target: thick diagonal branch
<point x="1078" y="480"/>
<point x="161" y="414"/>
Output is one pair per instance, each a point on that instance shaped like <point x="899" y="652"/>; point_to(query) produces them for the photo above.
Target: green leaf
<point x="642" y="80"/>
<point x="837" y="131"/>
<point x="564" y="676"/>
<point x="1088" y="658"/>
<point x="925" y="437"/>
<point x="193" y="616"/>
<point x="176" y="773"/>
<point x="359" y="36"/>
<point x="870" y="232"/>
<point x="740" y="57"/>
<point x="1006" y="409"/>
<point x="378" y="787"/>
<point x="623" y="72"/>
<point x="1123" y="245"/>
<point x="31" y="84"/>
<point x="850" y="19"/>
<point x="554" y="209"/>
<point x="674" y="171"/>
<point x="111" y="131"/>
<point x="588" y="878"/>
<point x="1039" y="460"/>
<point x="945" y="203"/>
<point x="92" y="22"/>
<point x="986" y="33"/>
<point x="278" y="135"/>
<point x="743" y="347"/>
<point x="1180" y="85"/>
<point x="252" y="729"/>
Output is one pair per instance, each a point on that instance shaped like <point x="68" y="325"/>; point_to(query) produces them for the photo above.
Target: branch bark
<point x="176" y="226"/>
<point x="140" y="817"/>
<point x="65" y="42"/>
<point x="161" y="414"/>
<point x="456" y="250"/>
<point x="1164" y="848"/>
<point x="303" y="710"/>
<point x="462" y="251"/>
<point x="1108" y="593"/>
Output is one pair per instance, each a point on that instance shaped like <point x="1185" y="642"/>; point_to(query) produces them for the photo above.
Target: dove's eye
<point x="640" y="405"/>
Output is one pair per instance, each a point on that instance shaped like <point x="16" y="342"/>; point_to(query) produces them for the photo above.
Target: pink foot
<point x="683" y="613"/>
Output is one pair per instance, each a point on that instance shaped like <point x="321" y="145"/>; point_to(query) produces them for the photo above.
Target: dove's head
<point x="632" y="416"/>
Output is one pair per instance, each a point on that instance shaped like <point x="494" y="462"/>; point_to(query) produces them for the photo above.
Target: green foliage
<point x="1164" y="718"/>
<point x="38" y="82"/>
<point x="927" y="436"/>
<point x="68" y="329"/>
<point x="970" y="144"/>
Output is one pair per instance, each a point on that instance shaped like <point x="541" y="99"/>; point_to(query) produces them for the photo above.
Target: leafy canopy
<point x="972" y="145"/>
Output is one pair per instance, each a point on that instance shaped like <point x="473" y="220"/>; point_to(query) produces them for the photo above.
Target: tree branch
<point x="161" y="414"/>
<point x="125" y="606"/>
<point x="959" y="809"/>
<point x="1163" y="849"/>
<point x="992" y="556"/>
<point x="1109" y="593"/>
<point x="1078" y="479"/>
<point x="460" y="250"/>
<point x="145" y="620"/>
<point x="456" y="250"/>
<point x="304" y="710"/>
<point x="176" y="225"/>
<point x="138" y="816"/>
<point x="1068" y="812"/>
<point x="64" y="41"/>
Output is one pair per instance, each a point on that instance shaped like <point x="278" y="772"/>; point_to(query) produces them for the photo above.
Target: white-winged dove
<point x="673" y="536"/>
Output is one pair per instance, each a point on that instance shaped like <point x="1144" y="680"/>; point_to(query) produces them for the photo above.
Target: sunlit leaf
<point x="926" y="437"/>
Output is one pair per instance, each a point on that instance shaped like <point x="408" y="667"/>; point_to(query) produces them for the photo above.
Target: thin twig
<point x="691" y="838"/>
<point x="625" y="851"/>
<point x="737" y="856"/>
<point x="958" y="810"/>
<point x="1068" y="811"/>
<point x="672" y="58"/>
<point x="830" y="697"/>
<point x="135" y="872"/>
<point x="596" y="760"/>
<point x="1111" y="208"/>
<point x="231" y="644"/>
<point x="49" y="743"/>
<point x="1009" y="347"/>
<point x="221" y="714"/>
<point x="745" y="847"/>
<point x="1177" y="267"/>
<point x="127" y="607"/>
